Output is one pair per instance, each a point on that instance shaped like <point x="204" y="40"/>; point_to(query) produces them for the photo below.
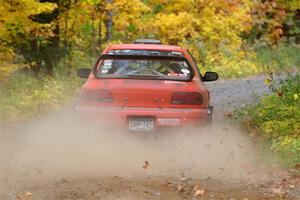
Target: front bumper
<point x="118" y="116"/>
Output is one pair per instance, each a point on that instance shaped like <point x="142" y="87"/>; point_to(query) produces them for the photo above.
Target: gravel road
<point x="55" y="158"/>
<point x="227" y="95"/>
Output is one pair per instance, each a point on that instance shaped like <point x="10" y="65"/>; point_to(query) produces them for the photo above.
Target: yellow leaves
<point x="18" y="22"/>
<point x="93" y="2"/>
<point x="127" y="15"/>
<point x="23" y="10"/>
<point x="174" y="28"/>
<point x="7" y="62"/>
<point x="34" y="7"/>
<point x="269" y="17"/>
<point x="6" y="68"/>
<point x="179" y="6"/>
<point x="291" y="4"/>
<point x="210" y="29"/>
<point x="268" y="82"/>
<point x="296" y="97"/>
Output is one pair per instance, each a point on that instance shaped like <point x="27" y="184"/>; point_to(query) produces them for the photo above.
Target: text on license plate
<point x="142" y="124"/>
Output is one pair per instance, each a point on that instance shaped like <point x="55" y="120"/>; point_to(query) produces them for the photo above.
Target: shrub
<point x="277" y="119"/>
<point x="24" y="96"/>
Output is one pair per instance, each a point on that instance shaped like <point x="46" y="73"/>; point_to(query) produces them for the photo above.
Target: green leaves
<point x="277" y="119"/>
<point x="24" y="97"/>
<point x="287" y="148"/>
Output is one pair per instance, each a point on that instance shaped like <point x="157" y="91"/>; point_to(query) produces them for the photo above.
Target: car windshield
<point x="169" y="69"/>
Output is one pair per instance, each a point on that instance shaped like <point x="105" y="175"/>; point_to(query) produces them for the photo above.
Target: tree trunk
<point x="35" y="66"/>
<point x="109" y="23"/>
<point x="94" y="42"/>
<point x="100" y="33"/>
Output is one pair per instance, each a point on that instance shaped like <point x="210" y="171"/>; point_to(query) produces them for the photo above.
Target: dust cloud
<point x="67" y="145"/>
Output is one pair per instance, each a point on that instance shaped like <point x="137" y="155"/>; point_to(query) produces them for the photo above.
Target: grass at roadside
<point x="259" y="59"/>
<point x="283" y="57"/>
<point x="276" y="119"/>
<point x="24" y="96"/>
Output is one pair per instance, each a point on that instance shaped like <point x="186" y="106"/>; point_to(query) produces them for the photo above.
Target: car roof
<point x="145" y="47"/>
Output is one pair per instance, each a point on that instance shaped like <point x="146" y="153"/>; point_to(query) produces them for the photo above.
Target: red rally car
<point x="145" y="86"/>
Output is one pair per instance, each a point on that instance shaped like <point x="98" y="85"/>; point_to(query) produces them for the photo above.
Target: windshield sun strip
<point x="145" y="52"/>
<point x="143" y="77"/>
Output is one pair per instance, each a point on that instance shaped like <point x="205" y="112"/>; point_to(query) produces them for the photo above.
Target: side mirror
<point x="84" y="73"/>
<point x="210" y="76"/>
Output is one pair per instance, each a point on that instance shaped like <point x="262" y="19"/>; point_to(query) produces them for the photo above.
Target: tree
<point x="16" y="27"/>
<point x="274" y="20"/>
<point x="109" y="22"/>
<point x="209" y="28"/>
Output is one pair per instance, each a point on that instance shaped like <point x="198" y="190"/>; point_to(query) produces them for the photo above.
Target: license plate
<point x="141" y="124"/>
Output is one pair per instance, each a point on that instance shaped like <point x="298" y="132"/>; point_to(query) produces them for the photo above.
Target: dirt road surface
<point x="63" y="157"/>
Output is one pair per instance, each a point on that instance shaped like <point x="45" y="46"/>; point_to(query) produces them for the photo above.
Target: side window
<point x="195" y="63"/>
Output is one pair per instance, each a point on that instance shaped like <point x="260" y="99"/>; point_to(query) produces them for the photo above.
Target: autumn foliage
<point x="39" y="34"/>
